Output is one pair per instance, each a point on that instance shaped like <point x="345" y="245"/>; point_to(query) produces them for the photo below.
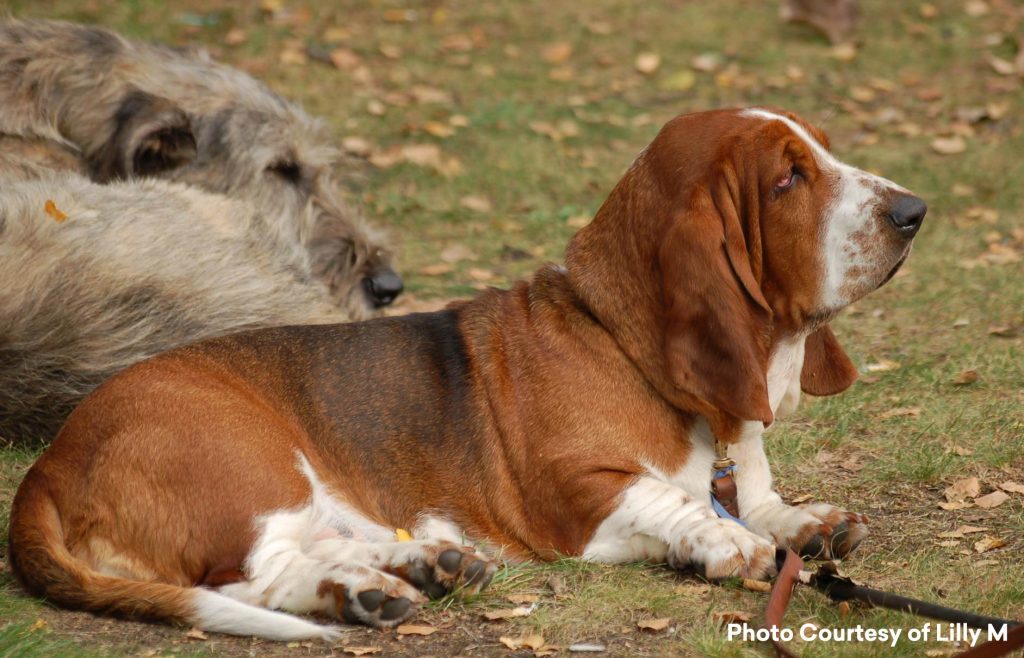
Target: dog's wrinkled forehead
<point x="816" y="143"/>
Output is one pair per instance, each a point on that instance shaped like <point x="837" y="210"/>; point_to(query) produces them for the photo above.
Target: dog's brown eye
<point x="287" y="170"/>
<point x="787" y="181"/>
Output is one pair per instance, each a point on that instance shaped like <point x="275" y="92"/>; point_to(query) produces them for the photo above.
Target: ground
<point x="484" y="133"/>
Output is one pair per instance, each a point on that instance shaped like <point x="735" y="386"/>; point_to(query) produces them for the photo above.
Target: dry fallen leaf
<point x="196" y="634"/>
<point x="989" y="543"/>
<point x="653" y="624"/>
<point x="236" y="36"/>
<point x="971" y="529"/>
<point x="361" y="651"/>
<point x="508" y="613"/>
<point x="557" y="53"/>
<point x="457" y="252"/>
<point x="1002" y="330"/>
<point x="345" y="59"/>
<point x="528" y="641"/>
<point x="952" y="507"/>
<point x="401" y="534"/>
<point x="882" y="366"/>
<point x="756" y="585"/>
<point x="358" y="146"/>
<point x="647" y="63"/>
<point x="949" y="145"/>
<point x="966" y="377"/>
<point x="1012" y="487"/>
<point x="523" y="598"/>
<point x="994" y="499"/>
<point x="480" y="274"/>
<point x="415" y="629"/>
<point x="962" y="489"/>
<point x="731" y="617"/>
<point x="38" y="625"/>
<point x="476" y="203"/>
<point x="52" y="210"/>
<point x="844" y="609"/>
<point x="692" y="590"/>
<point x="679" y="81"/>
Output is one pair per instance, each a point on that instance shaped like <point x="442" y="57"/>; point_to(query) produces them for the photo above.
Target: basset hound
<point x="232" y="482"/>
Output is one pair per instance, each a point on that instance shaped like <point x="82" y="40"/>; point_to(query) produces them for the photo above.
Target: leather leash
<point x="838" y="588"/>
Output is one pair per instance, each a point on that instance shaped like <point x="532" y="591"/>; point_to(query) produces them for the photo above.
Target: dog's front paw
<point x="818" y="531"/>
<point x="724" y="549"/>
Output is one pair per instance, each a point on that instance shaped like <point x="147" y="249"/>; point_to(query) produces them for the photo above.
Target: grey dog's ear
<point x="151" y="135"/>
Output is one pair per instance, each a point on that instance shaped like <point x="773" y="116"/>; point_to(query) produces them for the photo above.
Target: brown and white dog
<point x="573" y="414"/>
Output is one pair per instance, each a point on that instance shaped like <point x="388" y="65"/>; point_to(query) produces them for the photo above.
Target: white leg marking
<point x="656" y="520"/>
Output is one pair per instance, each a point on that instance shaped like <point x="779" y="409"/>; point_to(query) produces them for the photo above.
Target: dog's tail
<point x="44" y="565"/>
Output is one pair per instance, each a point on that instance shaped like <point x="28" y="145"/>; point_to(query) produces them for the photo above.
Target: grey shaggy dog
<point x="132" y="109"/>
<point x="101" y="289"/>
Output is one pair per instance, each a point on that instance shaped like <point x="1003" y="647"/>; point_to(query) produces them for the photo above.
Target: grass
<point x="502" y="102"/>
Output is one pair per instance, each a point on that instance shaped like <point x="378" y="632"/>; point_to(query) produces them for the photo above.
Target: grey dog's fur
<point x="141" y="266"/>
<point x="89" y="295"/>
<point x="135" y="109"/>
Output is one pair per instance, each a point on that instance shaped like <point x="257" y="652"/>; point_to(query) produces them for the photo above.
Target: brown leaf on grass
<point x="966" y="377"/>
<point x="647" y="63"/>
<point x="1002" y="330"/>
<point x="1009" y="485"/>
<point x="654" y="624"/>
<point x="952" y="543"/>
<point x="476" y="203"/>
<point x="756" y="585"/>
<point x="533" y="642"/>
<point x="952" y="507"/>
<point x="438" y="129"/>
<point x="949" y="145"/>
<point x="976" y="8"/>
<point x="989" y="543"/>
<point x="415" y="629"/>
<point x="359" y="146"/>
<point x="844" y="609"/>
<point x="480" y="274"/>
<point x="994" y="499"/>
<point x="802" y="498"/>
<point x="457" y="252"/>
<point x="361" y="651"/>
<point x="345" y="59"/>
<point x="679" y="81"/>
<point x="578" y="221"/>
<point x="196" y="634"/>
<point x="557" y="53"/>
<point x="971" y="529"/>
<point x="53" y="211"/>
<point x="962" y="489"/>
<point x="236" y="36"/>
<point x="38" y="625"/>
<point x="731" y="617"/>
<point x="508" y="613"/>
<point x="523" y="598"/>
<point x="884" y="365"/>
<point x="900" y="412"/>
<point x="707" y="62"/>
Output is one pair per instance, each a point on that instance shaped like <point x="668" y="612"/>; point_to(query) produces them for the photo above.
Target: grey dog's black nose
<point x="383" y="286"/>
<point x="907" y="213"/>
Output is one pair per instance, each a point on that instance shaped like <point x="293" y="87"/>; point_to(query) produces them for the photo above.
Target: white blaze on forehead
<point x="850" y="212"/>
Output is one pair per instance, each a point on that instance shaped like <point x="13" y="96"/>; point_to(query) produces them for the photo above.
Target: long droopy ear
<point x="827" y="369"/>
<point x="151" y="135"/>
<point x="666" y="270"/>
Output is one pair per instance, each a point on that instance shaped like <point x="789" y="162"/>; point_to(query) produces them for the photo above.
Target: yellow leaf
<point x="401" y="534"/>
<point x="53" y="211"/>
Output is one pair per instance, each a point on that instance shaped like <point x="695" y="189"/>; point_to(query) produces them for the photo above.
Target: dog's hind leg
<point x="293" y="567"/>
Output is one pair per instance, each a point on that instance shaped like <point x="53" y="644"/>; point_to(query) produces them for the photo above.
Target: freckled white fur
<point x="852" y="212"/>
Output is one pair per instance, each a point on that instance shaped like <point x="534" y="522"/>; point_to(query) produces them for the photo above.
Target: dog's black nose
<point x="907" y="213"/>
<point x="383" y="286"/>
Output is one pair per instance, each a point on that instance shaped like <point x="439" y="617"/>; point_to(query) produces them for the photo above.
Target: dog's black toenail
<point x="434" y="589"/>
<point x="371" y="599"/>
<point x="395" y="609"/>
<point x="450" y="560"/>
<point x="486" y="581"/>
<point x="815" y="547"/>
<point x="475" y="572"/>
